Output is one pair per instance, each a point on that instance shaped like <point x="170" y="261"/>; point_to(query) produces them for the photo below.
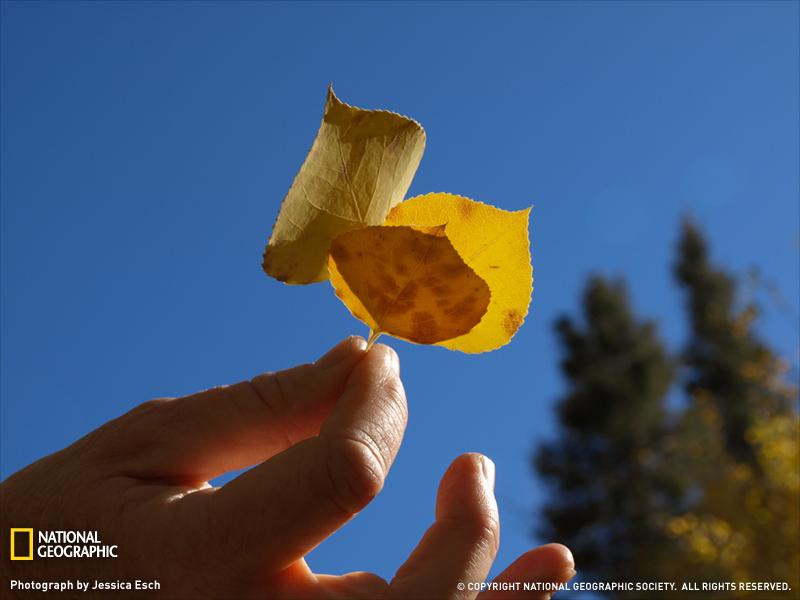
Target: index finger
<point x="196" y="438"/>
<point x="275" y="513"/>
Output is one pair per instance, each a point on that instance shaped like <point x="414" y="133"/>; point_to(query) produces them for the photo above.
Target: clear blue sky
<point x="146" y="148"/>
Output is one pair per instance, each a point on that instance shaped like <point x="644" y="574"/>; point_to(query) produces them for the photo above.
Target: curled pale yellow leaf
<point x="360" y="166"/>
<point x="494" y="244"/>
<point x="407" y="282"/>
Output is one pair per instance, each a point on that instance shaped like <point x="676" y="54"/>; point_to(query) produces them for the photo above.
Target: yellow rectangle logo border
<point x="29" y="531"/>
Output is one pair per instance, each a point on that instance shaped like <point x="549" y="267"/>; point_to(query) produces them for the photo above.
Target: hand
<point x="325" y="435"/>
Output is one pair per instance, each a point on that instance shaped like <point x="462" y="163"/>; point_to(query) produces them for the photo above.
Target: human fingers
<point x="542" y="568"/>
<point x="198" y="437"/>
<point x="461" y="545"/>
<point x="275" y="513"/>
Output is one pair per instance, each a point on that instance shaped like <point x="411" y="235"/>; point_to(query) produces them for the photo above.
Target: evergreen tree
<point x="708" y="492"/>
<point x="612" y="495"/>
<point x="725" y="361"/>
<point x="738" y="438"/>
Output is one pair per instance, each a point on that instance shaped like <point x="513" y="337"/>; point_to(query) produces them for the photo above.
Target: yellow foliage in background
<point x="747" y="525"/>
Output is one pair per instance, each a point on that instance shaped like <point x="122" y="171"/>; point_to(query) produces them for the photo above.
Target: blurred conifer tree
<point x="724" y="359"/>
<point x="708" y="491"/>
<point x="610" y="499"/>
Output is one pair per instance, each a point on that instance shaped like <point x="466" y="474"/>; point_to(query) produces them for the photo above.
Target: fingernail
<point x="572" y="560"/>
<point x="488" y="468"/>
<point x="347" y="348"/>
<point x="570" y="574"/>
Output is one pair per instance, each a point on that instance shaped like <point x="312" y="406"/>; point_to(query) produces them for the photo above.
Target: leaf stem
<point x="373" y="335"/>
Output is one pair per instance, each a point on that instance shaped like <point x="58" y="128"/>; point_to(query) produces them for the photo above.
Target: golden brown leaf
<point x="407" y="282"/>
<point x="494" y="244"/>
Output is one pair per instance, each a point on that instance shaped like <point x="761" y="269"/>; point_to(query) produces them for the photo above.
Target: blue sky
<point x="146" y="148"/>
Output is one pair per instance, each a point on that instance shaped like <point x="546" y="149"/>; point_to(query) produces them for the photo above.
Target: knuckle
<point x="269" y="390"/>
<point x="276" y="389"/>
<point x="481" y="530"/>
<point x="126" y="440"/>
<point x="487" y="531"/>
<point x="355" y="473"/>
<point x="395" y="394"/>
<point x="395" y="407"/>
<point x="140" y="417"/>
<point x="151" y="408"/>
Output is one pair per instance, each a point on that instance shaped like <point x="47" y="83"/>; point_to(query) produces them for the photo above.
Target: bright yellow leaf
<point x="407" y="282"/>
<point x="359" y="167"/>
<point x="494" y="244"/>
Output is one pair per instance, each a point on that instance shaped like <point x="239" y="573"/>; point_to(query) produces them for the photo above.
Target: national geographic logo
<point x="21" y="543"/>
<point x="57" y="544"/>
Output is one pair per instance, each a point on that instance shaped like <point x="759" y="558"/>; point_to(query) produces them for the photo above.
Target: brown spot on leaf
<point x="377" y="299"/>
<point x="432" y="253"/>
<point x="421" y="316"/>
<point x="424" y="329"/>
<point x="405" y="300"/>
<point x="466" y="209"/>
<point x="430" y="281"/>
<point x="450" y="271"/>
<point x="512" y="319"/>
<point x="388" y="284"/>
<point x="462" y="307"/>
<point x="414" y="248"/>
<point x="442" y="290"/>
<point x="339" y="253"/>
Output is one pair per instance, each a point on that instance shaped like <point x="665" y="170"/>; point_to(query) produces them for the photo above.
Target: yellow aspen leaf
<point x="494" y="244"/>
<point x="360" y="166"/>
<point x="407" y="282"/>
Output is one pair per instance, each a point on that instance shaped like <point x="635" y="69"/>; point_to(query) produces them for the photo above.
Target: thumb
<point x="461" y="545"/>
